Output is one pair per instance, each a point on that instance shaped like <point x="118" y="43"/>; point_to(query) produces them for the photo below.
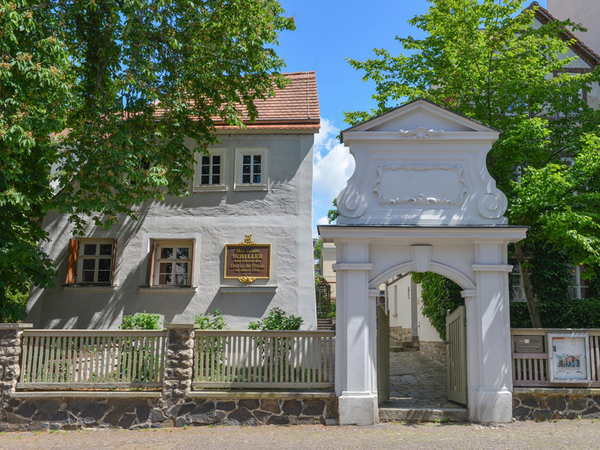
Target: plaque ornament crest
<point x="420" y="133"/>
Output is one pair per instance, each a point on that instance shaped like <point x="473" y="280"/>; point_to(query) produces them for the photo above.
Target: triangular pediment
<point x="420" y="116"/>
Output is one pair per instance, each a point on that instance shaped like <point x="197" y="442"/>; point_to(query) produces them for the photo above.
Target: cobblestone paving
<point x="525" y="435"/>
<point x="416" y="381"/>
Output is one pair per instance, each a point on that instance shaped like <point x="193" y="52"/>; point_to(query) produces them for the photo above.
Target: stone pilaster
<point x="10" y="352"/>
<point x="179" y="361"/>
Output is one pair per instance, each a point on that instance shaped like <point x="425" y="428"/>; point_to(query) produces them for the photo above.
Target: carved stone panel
<point x="420" y="184"/>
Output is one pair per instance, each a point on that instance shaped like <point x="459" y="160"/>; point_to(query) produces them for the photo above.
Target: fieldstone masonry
<point x="179" y="361"/>
<point x="435" y="351"/>
<point x="556" y="403"/>
<point x="10" y="351"/>
<point x="142" y="411"/>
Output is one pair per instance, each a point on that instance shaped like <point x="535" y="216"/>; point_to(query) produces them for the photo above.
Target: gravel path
<point x="575" y="434"/>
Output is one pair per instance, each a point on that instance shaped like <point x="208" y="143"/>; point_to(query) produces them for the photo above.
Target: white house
<point x="254" y="187"/>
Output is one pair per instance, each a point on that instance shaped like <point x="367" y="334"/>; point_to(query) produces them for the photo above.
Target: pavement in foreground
<point x="564" y="434"/>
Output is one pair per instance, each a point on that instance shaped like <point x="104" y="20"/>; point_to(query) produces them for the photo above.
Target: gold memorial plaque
<point x="248" y="261"/>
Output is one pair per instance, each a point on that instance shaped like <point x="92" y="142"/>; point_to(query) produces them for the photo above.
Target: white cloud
<point x="333" y="164"/>
<point x="323" y="221"/>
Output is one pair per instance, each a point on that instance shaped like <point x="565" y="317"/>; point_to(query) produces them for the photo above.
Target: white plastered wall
<point x="281" y="217"/>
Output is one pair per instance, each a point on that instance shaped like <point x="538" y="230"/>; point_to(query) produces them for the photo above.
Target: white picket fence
<point x="74" y="359"/>
<point x="264" y="359"/>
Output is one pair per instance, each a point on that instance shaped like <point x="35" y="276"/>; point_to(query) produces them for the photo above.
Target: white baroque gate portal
<point x="421" y="199"/>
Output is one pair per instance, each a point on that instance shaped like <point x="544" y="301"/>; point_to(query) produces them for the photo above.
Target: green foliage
<point x="277" y="320"/>
<point x="333" y="213"/>
<point x="440" y="296"/>
<point x="207" y="323"/>
<point x="130" y="81"/>
<point x="318" y="248"/>
<point x="563" y="203"/>
<point x="550" y="273"/>
<point x="14" y="308"/>
<point x="570" y="313"/>
<point x="35" y="96"/>
<point x="141" y="321"/>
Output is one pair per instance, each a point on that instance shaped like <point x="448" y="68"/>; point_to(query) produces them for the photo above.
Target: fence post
<point x="10" y="352"/>
<point x="179" y="361"/>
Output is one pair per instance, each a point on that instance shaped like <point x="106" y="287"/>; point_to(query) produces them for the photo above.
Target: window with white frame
<point x="516" y="284"/>
<point x="210" y="170"/>
<point x="251" y="169"/>
<point x="580" y="286"/>
<point x="172" y="263"/>
<point x="95" y="261"/>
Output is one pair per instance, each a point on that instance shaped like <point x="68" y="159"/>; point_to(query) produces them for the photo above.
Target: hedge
<point x="570" y="313"/>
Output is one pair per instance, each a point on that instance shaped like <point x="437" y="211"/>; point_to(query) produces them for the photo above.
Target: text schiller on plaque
<point x="243" y="260"/>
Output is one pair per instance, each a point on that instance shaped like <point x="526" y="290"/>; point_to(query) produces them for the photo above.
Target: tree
<point x="333" y="213"/>
<point x="98" y="98"/>
<point x="35" y="95"/>
<point x="318" y="248"/>
<point x="484" y="59"/>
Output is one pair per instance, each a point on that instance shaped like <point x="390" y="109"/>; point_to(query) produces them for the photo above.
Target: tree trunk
<point x="531" y="306"/>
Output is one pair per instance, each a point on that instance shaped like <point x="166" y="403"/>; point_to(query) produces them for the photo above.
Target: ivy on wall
<point x="571" y="313"/>
<point x="440" y="296"/>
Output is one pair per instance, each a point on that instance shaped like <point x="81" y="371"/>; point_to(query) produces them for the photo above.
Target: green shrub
<point x="569" y="313"/>
<point x="141" y="321"/>
<point x="207" y="323"/>
<point x="13" y="308"/>
<point x="277" y="320"/>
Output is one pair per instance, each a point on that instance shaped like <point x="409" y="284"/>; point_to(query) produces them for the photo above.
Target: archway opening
<point x="422" y="365"/>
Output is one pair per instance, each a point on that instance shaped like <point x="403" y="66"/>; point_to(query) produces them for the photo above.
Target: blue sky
<point x="327" y="32"/>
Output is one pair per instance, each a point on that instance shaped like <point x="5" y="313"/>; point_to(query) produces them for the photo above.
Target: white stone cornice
<point x="492" y="268"/>
<point x="352" y="266"/>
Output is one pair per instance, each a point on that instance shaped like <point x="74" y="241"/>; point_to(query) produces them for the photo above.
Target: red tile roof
<point x="580" y="49"/>
<point x="294" y="108"/>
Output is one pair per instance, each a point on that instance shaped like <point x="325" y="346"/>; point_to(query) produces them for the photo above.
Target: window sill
<point x="167" y="290"/>
<point x="210" y="188"/>
<point x="248" y="289"/>
<point x="251" y="187"/>
<point x="89" y="287"/>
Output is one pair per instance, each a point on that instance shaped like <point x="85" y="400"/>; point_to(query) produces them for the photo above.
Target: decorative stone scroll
<point x="420" y="133"/>
<point x="421" y="199"/>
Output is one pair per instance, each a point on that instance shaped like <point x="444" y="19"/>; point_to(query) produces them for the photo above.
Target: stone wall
<point x="401" y="334"/>
<point x="555" y="403"/>
<point x="10" y="351"/>
<point x="435" y="351"/>
<point x="139" y="412"/>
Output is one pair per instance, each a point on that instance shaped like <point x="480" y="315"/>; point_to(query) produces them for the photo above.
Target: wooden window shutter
<point x="114" y="261"/>
<point x="72" y="262"/>
<point x="152" y="255"/>
<point x="191" y="279"/>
